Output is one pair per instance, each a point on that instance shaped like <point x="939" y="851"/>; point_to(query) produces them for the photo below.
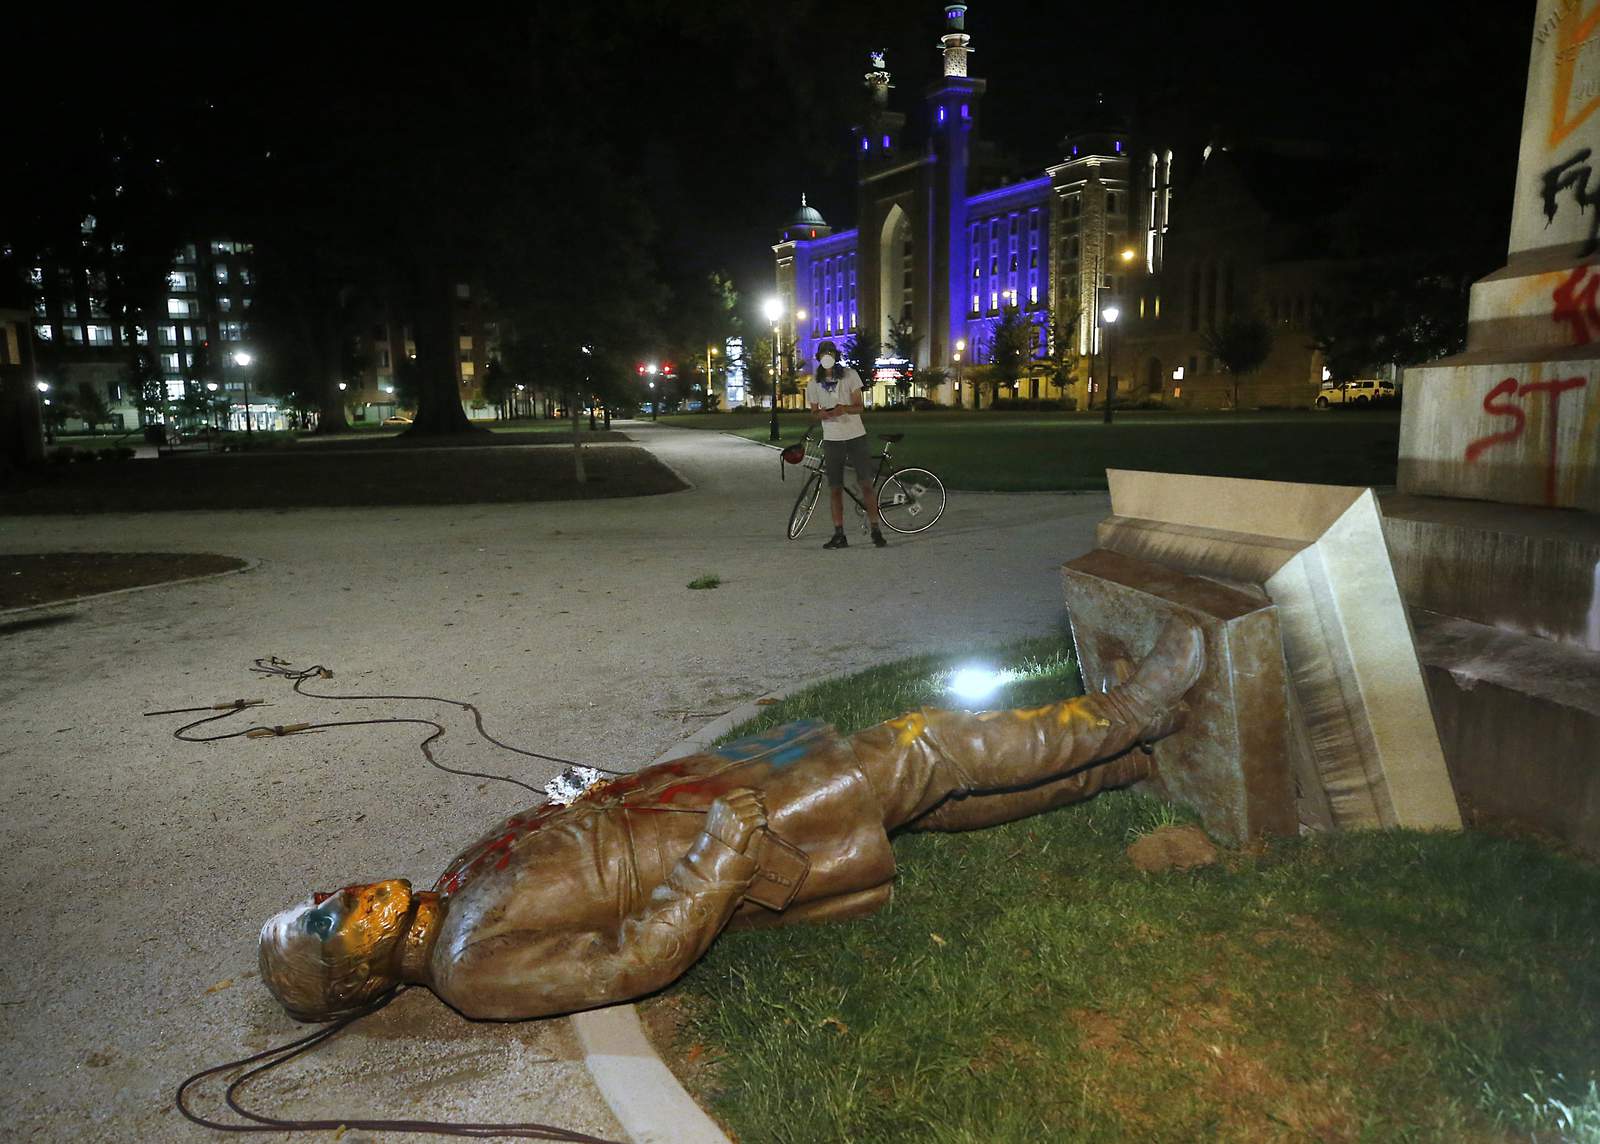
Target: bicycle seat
<point x="892" y="438"/>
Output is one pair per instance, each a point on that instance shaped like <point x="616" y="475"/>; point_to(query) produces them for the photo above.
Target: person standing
<point x="834" y="394"/>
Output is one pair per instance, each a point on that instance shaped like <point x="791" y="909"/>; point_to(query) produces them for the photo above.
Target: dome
<point x="807" y="215"/>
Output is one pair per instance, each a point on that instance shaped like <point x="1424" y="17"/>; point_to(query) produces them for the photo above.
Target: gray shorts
<point x="856" y="451"/>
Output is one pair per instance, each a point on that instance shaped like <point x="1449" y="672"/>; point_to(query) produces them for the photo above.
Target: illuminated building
<point x="202" y="317"/>
<point x="936" y="256"/>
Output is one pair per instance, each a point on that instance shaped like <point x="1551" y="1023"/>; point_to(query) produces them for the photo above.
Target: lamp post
<point x="242" y="359"/>
<point x="961" y="349"/>
<point x="655" y="405"/>
<point x="1110" y="315"/>
<point x="772" y="309"/>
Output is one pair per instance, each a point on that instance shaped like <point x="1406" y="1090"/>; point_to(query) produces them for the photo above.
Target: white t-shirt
<point x="846" y="392"/>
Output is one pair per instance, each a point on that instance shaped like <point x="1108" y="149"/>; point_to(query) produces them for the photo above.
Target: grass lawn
<point x="313" y="477"/>
<point x="1036" y="451"/>
<point x="1028" y="984"/>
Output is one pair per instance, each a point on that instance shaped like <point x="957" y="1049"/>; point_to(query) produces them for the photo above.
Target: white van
<point x="1360" y="392"/>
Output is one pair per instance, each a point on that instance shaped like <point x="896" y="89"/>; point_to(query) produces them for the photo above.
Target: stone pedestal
<point x="1230" y="762"/>
<point x="1495" y="537"/>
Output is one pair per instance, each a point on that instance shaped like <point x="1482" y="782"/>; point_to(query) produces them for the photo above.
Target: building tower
<point x="955" y="40"/>
<point x="952" y="104"/>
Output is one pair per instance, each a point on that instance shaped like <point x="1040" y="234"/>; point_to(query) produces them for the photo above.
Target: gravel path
<point x="140" y="868"/>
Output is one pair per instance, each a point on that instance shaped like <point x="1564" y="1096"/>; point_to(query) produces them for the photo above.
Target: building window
<point x="244" y="277"/>
<point x="975" y="304"/>
<point x="885" y="142"/>
<point x="468" y="369"/>
<point x="169" y="362"/>
<point x="941" y="114"/>
<point x="966" y="111"/>
<point x="46" y="333"/>
<point x="383" y="359"/>
<point x="866" y="144"/>
<point x="221" y="272"/>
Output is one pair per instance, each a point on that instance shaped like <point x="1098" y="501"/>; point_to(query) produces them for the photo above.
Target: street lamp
<point x="1110" y="315"/>
<point x="242" y="359"/>
<point x="654" y="404"/>
<point x="961" y="349"/>
<point x="772" y="309"/>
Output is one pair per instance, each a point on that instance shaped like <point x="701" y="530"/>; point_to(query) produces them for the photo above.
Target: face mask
<point x="826" y="361"/>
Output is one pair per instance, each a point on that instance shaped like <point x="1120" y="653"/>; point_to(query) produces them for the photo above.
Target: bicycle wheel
<point x="804" y="503"/>
<point x="910" y="500"/>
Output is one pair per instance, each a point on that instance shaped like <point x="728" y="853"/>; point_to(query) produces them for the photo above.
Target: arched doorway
<point x="896" y="273"/>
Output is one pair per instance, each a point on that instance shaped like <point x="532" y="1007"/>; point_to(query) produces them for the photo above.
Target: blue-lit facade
<point x="939" y="255"/>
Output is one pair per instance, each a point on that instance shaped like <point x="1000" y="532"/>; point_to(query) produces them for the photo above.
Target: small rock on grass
<point x="1173" y="848"/>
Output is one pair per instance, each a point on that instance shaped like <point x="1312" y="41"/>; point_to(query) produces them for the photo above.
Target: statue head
<point x="333" y="953"/>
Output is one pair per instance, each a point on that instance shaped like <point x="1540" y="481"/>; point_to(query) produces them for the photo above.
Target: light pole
<point x="772" y="308"/>
<point x="961" y="348"/>
<point x="242" y="359"/>
<point x="1110" y="315"/>
<point x="711" y="352"/>
<point x="655" y="405"/>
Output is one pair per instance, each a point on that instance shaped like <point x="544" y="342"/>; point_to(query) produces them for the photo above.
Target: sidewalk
<point x="141" y="868"/>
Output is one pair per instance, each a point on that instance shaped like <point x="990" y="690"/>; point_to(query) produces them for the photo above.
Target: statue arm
<point x="527" y="974"/>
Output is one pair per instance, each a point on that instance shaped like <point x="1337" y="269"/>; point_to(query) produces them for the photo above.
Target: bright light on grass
<point x="975" y="684"/>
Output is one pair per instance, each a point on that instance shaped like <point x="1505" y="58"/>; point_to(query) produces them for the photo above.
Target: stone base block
<point x="1231" y="763"/>
<point x="1519" y="718"/>
<point x="1526" y="570"/>
<point x="1517" y="431"/>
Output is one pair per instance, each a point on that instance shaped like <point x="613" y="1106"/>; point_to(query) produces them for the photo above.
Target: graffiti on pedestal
<point x="1574" y="300"/>
<point x="1504" y="400"/>
<point x="1573" y="175"/>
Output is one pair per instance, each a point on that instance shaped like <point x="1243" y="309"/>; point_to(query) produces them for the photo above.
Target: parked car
<point x="397" y="419"/>
<point x="1363" y="391"/>
<point x="921" y="403"/>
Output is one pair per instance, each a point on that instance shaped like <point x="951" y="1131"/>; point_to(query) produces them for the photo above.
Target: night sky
<point x="730" y="111"/>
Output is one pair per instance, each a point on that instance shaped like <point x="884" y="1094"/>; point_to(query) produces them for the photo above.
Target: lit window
<point x="994" y="300"/>
<point x="225" y="304"/>
<point x="222" y="274"/>
<point x="974" y="303"/>
<point x="966" y="112"/>
<point x="866" y="144"/>
<point x="463" y="291"/>
<point x="46" y="333"/>
<point x="941" y="115"/>
<point x="885" y="142"/>
<point x="1033" y="293"/>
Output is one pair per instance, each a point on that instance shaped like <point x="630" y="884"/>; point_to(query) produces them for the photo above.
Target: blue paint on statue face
<point x="780" y="746"/>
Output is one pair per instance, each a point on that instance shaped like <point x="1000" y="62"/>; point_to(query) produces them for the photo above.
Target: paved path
<point x="139" y="869"/>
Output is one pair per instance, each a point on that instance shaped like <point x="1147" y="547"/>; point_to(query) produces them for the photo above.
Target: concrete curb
<point x="641" y="1091"/>
<point x="248" y="566"/>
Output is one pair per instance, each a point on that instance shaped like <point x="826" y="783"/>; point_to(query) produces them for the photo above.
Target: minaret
<point x="878" y="139"/>
<point x="952" y="102"/>
<point x="955" y="40"/>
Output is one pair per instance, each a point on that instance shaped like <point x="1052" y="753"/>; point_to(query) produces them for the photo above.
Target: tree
<point x="1386" y="315"/>
<point x="758" y="367"/>
<point x="144" y="382"/>
<point x="861" y="355"/>
<point x="498" y="387"/>
<point x="1009" y="350"/>
<point x="903" y="344"/>
<point x="932" y="378"/>
<point x="91" y="406"/>
<point x="1240" y="345"/>
<point x="1064" y="357"/>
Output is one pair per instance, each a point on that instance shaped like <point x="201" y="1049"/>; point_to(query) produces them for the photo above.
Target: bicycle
<point x="910" y="500"/>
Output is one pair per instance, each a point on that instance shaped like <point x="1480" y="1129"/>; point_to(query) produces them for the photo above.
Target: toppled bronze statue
<point x="567" y="907"/>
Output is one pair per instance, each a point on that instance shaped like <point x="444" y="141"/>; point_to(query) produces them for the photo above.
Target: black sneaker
<point x="877" y="540"/>
<point x="840" y="540"/>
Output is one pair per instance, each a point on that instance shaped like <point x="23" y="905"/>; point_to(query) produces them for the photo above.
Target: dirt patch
<point x="51" y="577"/>
<point x="1173" y="848"/>
<point x="693" y="1062"/>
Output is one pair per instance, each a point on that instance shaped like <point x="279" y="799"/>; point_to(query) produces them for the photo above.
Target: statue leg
<point x="958" y="770"/>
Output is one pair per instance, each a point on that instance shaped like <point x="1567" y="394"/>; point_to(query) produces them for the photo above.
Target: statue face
<point x="334" y="952"/>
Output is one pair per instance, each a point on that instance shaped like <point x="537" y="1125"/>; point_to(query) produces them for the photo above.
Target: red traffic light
<point x="641" y="368"/>
<point x="667" y="368"/>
